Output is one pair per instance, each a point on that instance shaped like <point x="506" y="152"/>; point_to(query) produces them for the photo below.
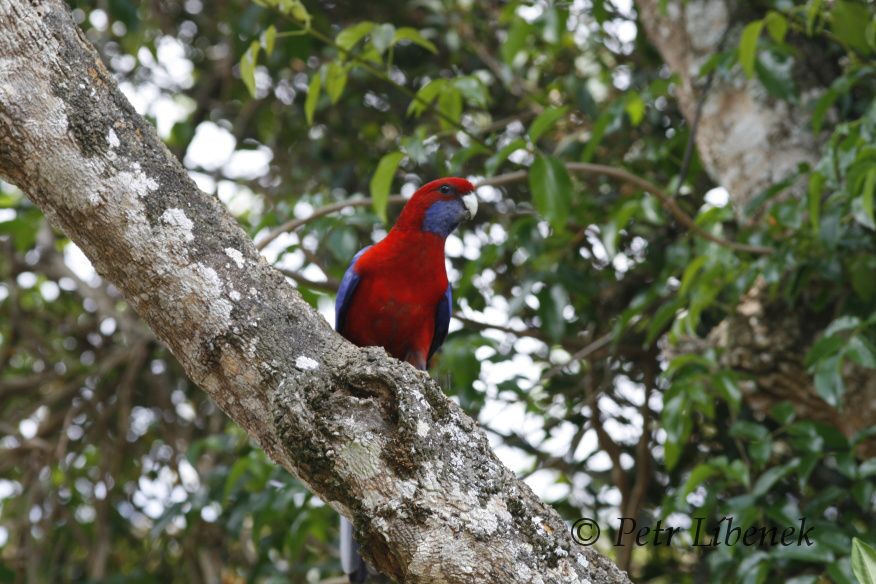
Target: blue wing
<point x="345" y="291"/>
<point x="442" y="321"/>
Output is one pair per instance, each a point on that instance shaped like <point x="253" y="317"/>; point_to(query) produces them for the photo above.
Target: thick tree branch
<point x="747" y="140"/>
<point x="369" y="434"/>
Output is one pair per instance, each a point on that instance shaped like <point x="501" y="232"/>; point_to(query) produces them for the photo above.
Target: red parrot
<point x="395" y="295"/>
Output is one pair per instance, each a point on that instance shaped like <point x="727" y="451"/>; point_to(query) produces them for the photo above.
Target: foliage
<point x="586" y="383"/>
<point x="863" y="562"/>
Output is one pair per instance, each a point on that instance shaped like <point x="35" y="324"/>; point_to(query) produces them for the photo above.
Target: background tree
<point x="636" y="340"/>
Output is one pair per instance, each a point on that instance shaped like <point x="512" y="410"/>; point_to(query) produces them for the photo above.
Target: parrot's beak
<point x="471" y="205"/>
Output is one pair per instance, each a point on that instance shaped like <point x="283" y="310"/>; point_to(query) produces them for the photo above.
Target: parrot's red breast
<point x="394" y="306"/>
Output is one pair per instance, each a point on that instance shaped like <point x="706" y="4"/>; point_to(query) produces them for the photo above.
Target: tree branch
<point x="665" y="199"/>
<point x="367" y="433"/>
<point x="294" y="224"/>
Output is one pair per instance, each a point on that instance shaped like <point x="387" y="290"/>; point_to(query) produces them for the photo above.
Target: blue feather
<point x="349" y="282"/>
<point x="442" y="217"/>
<point x="442" y="321"/>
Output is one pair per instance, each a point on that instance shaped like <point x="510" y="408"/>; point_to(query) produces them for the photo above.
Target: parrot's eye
<point x="445" y="189"/>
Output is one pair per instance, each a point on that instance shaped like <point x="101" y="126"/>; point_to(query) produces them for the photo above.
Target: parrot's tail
<point x="353" y="564"/>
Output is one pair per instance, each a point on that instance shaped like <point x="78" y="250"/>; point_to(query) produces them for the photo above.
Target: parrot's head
<point x="439" y="206"/>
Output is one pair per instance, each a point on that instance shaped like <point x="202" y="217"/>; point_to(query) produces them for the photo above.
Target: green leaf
<point x="858" y="350"/>
<point x="296" y="10"/>
<point x="407" y="33"/>
<point x="370" y="54"/>
<point x="671" y="453"/>
<point x="824" y="347"/>
<point x="676" y="420"/>
<point x="863" y="562"/>
<point x="698" y="476"/>
<point x="545" y="121"/>
<point x="335" y="81"/>
<point x="609" y="234"/>
<point x="690" y="272"/>
<point x="749" y="430"/>
<point x="841" y="86"/>
<point x="381" y="37"/>
<point x="473" y="90"/>
<point x="867" y="196"/>
<point x="805" y="467"/>
<point x="871" y="34"/>
<point x="776" y="78"/>
<point x="517" y="35"/>
<point x="269" y="39"/>
<point x="829" y="381"/>
<point x="867" y="468"/>
<point x="450" y="105"/>
<point x="748" y="46"/>
<point x="862" y="492"/>
<point x="664" y="315"/>
<point x="769" y="478"/>
<point x="313" y="91"/>
<point x="729" y="390"/>
<point x="494" y="162"/>
<point x="350" y="36"/>
<point x="552" y="301"/>
<point x="551" y="190"/>
<point x="843" y="323"/>
<point x="596" y="134"/>
<point x="301" y="15"/>
<point x="813" y="11"/>
<point x="247" y="67"/>
<point x="234" y="475"/>
<point x="783" y="412"/>
<point x="381" y="182"/>
<point x="635" y="108"/>
<point x="760" y="451"/>
<point x="463" y="155"/>
<point x="862" y="270"/>
<point x="860" y="214"/>
<point x="849" y="20"/>
<point x="816" y="186"/>
<point x="425" y="96"/>
<point x="821" y="107"/>
<point x="777" y="26"/>
<point x="818" y="553"/>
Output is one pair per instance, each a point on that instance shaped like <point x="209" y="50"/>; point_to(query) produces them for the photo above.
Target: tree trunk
<point x="372" y="436"/>
<point x="749" y="141"/>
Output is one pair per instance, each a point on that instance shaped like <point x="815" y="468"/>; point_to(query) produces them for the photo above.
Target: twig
<point x="294" y="224"/>
<point x="619" y="173"/>
<point x="330" y="285"/>
<point x="528" y="332"/>
<point x="585" y="352"/>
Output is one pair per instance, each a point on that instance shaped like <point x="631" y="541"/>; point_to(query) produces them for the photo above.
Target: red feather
<point x="403" y="278"/>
